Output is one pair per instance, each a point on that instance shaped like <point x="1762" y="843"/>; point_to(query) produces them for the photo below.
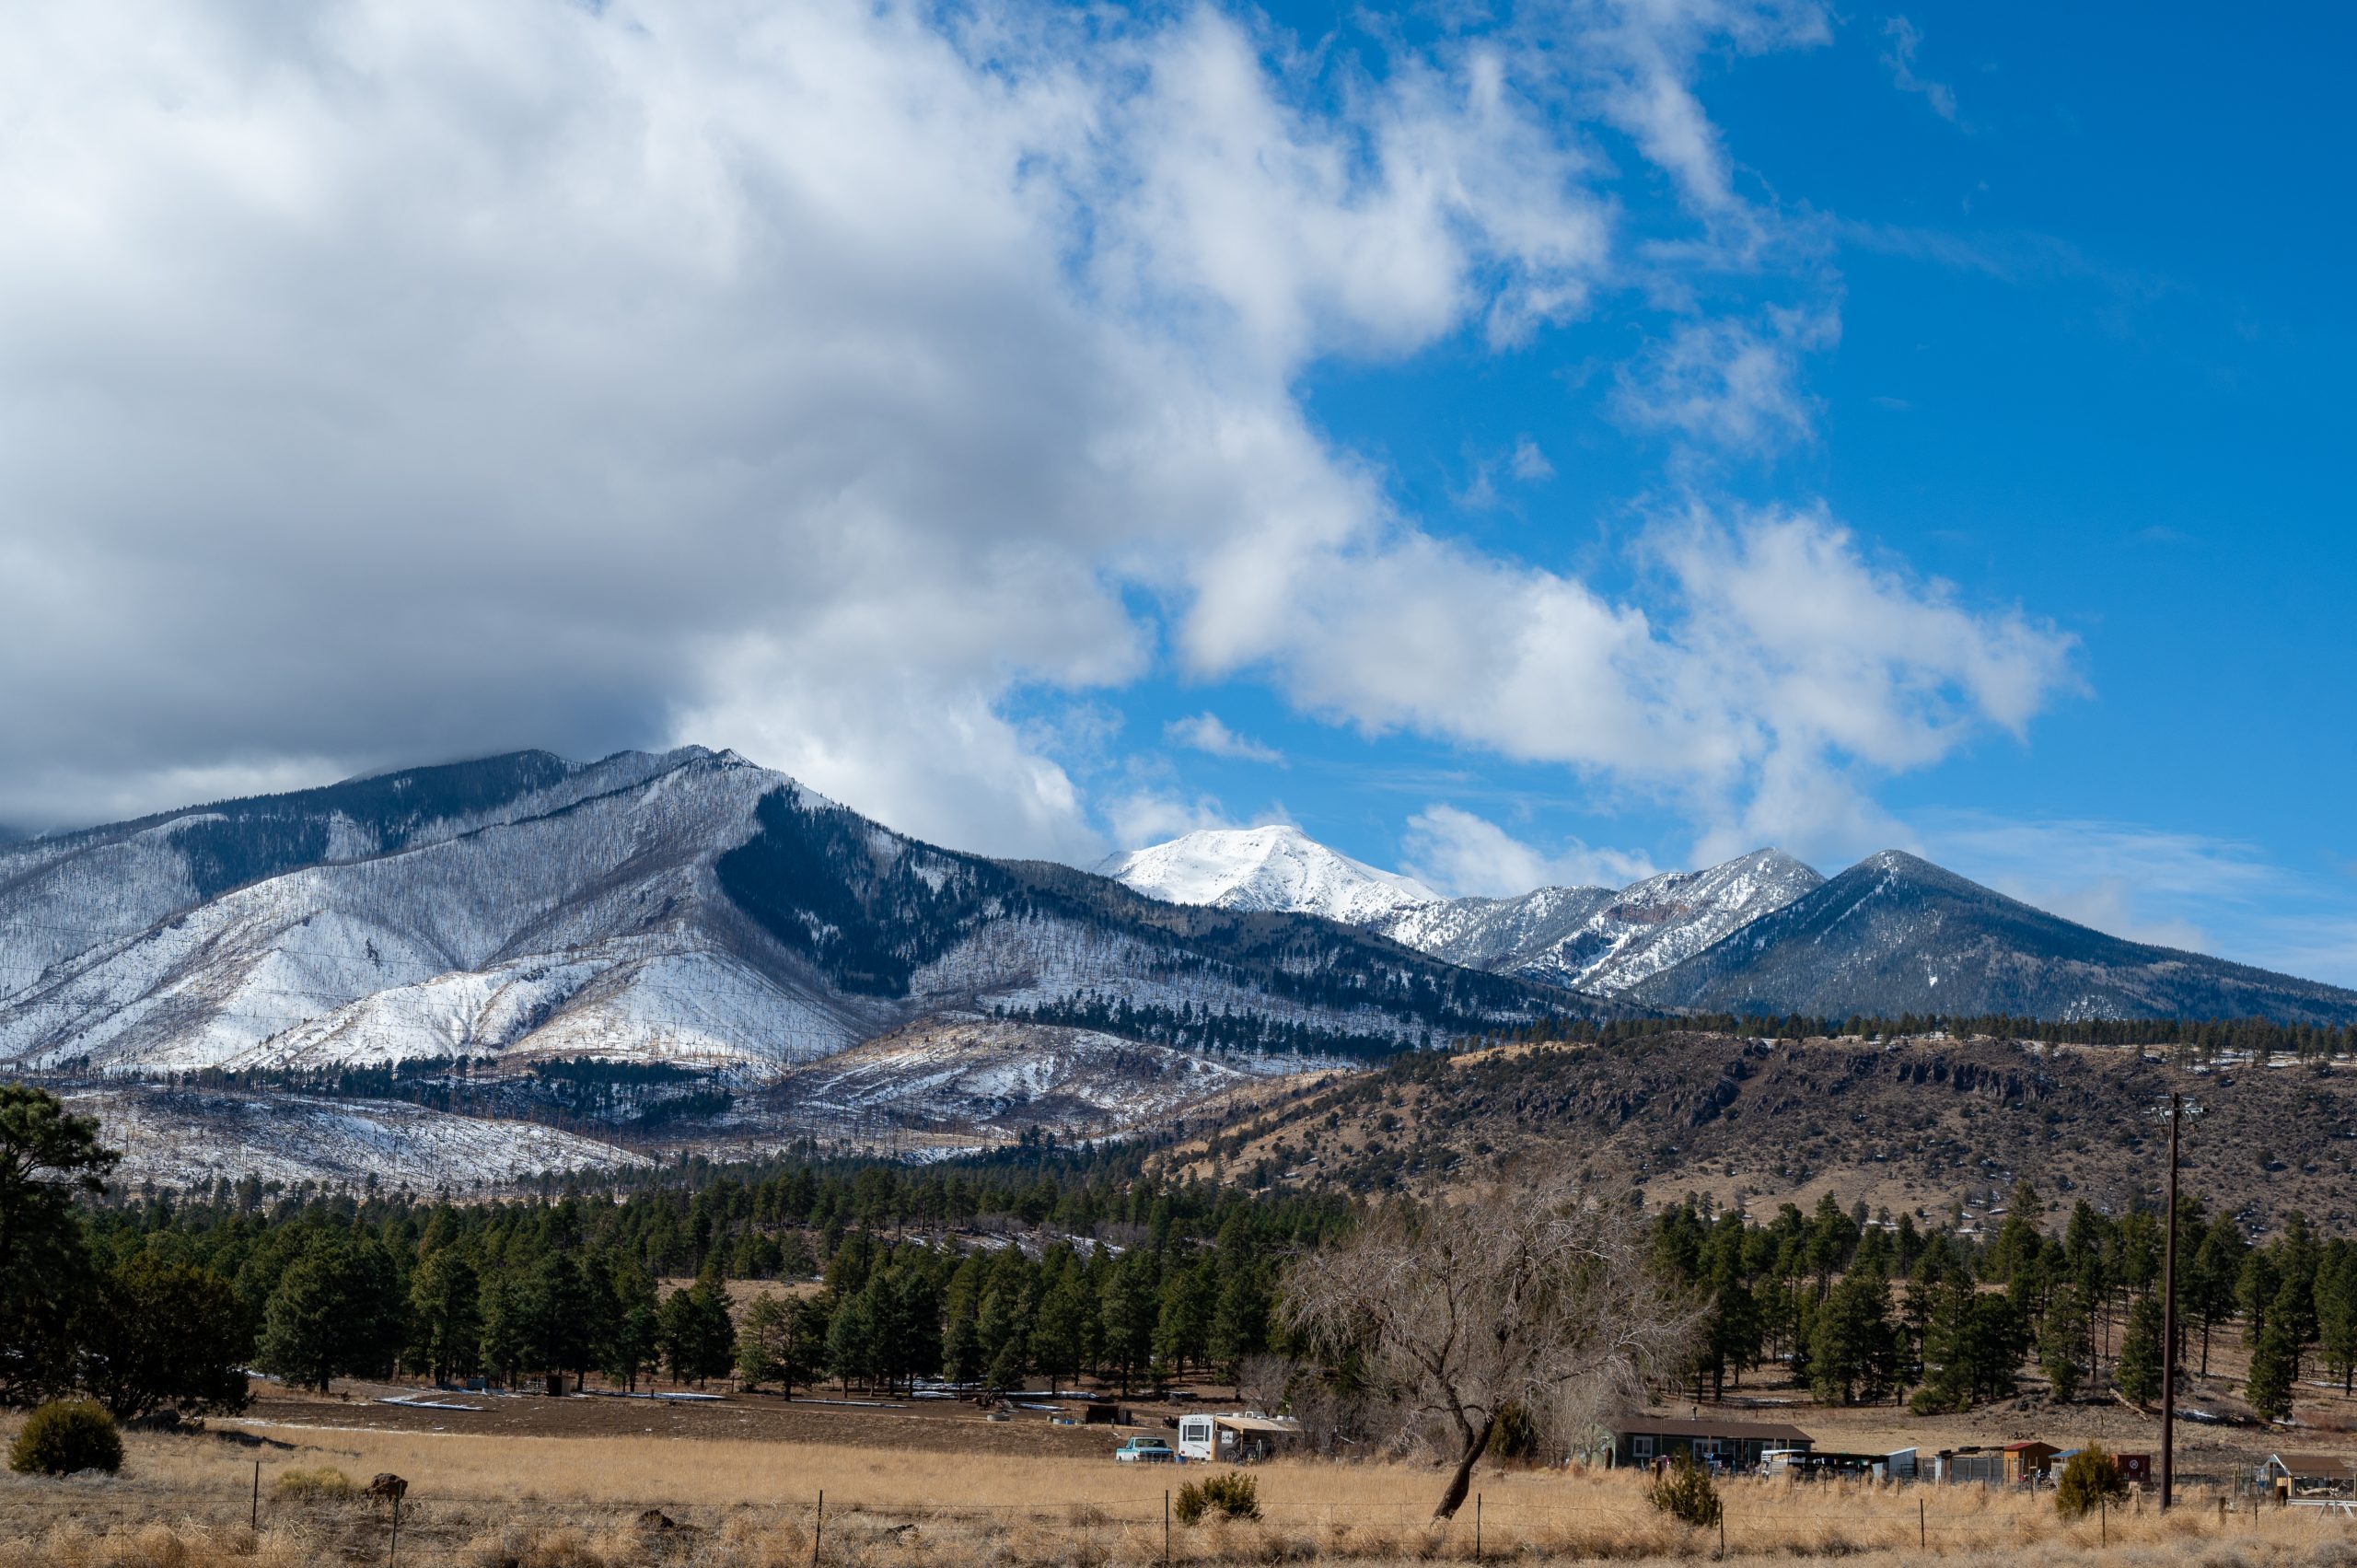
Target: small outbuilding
<point x="2027" y="1461"/>
<point x="2309" y="1475"/>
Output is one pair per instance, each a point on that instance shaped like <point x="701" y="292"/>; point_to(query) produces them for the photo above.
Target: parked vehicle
<point x="1143" y="1451"/>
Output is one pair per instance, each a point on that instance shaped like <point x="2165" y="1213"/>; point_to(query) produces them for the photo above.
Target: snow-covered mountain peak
<point x="1276" y="867"/>
<point x="1595" y="939"/>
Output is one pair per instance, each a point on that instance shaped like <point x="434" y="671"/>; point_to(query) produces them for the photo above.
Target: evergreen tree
<point x="558" y="1327"/>
<point x="2274" y="1371"/>
<point x="506" y="1329"/>
<point x="782" y="1341"/>
<point x="1058" y="1330"/>
<point x="2209" y="1285"/>
<point x="1851" y="1349"/>
<point x="2064" y="1341"/>
<point x="2335" y="1305"/>
<point x="166" y="1336"/>
<point x="2140" y="1351"/>
<point x="634" y="1342"/>
<point x="851" y="1340"/>
<point x="335" y="1314"/>
<point x="47" y="1159"/>
<point x="445" y="1316"/>
<point x="1129" y="1310"/>
<point x="1183" y="1327"/>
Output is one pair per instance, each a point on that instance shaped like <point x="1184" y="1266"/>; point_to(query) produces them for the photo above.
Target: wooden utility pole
<point x="2168" y="1320"/>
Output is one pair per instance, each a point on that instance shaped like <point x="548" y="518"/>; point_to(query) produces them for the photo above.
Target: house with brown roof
<point x="1640" y="1438"/>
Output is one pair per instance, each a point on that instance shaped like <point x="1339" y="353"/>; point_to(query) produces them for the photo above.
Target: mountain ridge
<point x="1916" y="938"/>
<point x="684" y="906"/>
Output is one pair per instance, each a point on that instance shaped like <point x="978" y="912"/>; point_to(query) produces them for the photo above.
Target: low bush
<point x="2088" y="1477"/>
<point x="66" y="1436"/>
<point x="1684" y="1491"/>
<point x="325" y="1484"/>
<point x="1231" y="1496"/>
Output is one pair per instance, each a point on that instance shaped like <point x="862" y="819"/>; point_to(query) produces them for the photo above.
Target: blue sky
<point x="1513" y="444"/>
<point x="2091" y="363"/>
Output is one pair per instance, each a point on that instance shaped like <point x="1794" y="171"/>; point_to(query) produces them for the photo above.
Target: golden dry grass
<point x="576" y="1503"/>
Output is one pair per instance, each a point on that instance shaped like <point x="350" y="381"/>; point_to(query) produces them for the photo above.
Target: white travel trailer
<point x="1238" y="1438"/>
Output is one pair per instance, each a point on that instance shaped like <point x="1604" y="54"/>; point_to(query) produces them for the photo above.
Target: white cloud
<point x="1529" y="464"/>
<point x="416" y="379"/>
<point x="1456" y="853"/>
<point x="1900" y="59"/>
<point x="1730" y="385"/>
<point x="1641" y="55"/>
<point x="389" y="381"/>
<point x="1205" y="733"/>
<point x="1144" y="816"/>
<point x="1781" y="667"/>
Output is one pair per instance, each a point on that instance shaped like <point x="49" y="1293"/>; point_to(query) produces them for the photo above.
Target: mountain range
<point x="1762" y="934"/>
<point x="756" y="961"/>
<point x="686" y="912"/>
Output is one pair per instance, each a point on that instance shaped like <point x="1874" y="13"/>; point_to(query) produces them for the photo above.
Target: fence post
<point x="393" y="1552"/>
<point x="255" y="1521"/>
<point x="2103" y="1521"/>
<point x="1723" y="1532"/>
<point x="1477" y="1527"/>
<point x="1923" y="1531"/>
<point x="818" y="1527"/>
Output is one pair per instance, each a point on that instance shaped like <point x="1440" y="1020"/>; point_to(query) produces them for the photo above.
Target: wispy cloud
<point x="1898" y="55"/>
<point x="1730" y="385"/>
<point x="1203" y="732"/>
<point x="1528" y="463"/>
<point x="2173" y="889"/>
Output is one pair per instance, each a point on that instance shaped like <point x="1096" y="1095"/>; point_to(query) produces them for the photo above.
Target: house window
<point x="1641" y="1448"/>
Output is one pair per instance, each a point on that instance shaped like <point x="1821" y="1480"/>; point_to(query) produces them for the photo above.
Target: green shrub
<point x="1231" y="1496"/>
<point x="2088" y="1477"/>
<point x="1684" y="1491"/>
<point x="325" y="1484"/>
<point x="64" y="1436"/>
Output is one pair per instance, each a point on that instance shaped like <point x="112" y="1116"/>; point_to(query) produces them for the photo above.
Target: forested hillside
<point x="1933" y="1123"/>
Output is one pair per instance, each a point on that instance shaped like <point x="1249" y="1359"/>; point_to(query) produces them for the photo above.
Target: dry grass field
<point x="491" y="1501"/>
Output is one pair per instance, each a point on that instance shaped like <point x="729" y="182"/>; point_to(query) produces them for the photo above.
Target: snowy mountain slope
<point x="182" y="1138"/>
<point x="687" y="911"/>
<point x="1498" y="934"/>
<point x="1895" y="934"/>
<point x="1265" y="868"/>
<point x="966" y="1072"/>
<point x="1592" y="939"/>
<point x="1595" y="939"/>
<point x="1664" y="919"/>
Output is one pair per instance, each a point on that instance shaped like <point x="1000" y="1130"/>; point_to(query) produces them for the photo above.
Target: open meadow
<point x="505" y="1501"/>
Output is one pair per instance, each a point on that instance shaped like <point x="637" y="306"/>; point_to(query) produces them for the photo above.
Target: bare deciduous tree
<point x="1532" y="1295"/>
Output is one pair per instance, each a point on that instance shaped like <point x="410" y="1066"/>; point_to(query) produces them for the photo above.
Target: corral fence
<point x="1769" y="1519"/>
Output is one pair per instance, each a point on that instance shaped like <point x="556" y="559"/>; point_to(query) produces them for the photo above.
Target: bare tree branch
<point x="1537" y="1296"/>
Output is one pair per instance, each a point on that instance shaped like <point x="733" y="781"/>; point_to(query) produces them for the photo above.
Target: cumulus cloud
<point x="1529" y="464"/>
<point x="1777" y="666"/>
<point x="1205" y="733"/>
<point x="1455" y="852"/>
<point x="1142" y="817"/>
<point x="397" y="381"/>
<point x="401" y="381"/>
